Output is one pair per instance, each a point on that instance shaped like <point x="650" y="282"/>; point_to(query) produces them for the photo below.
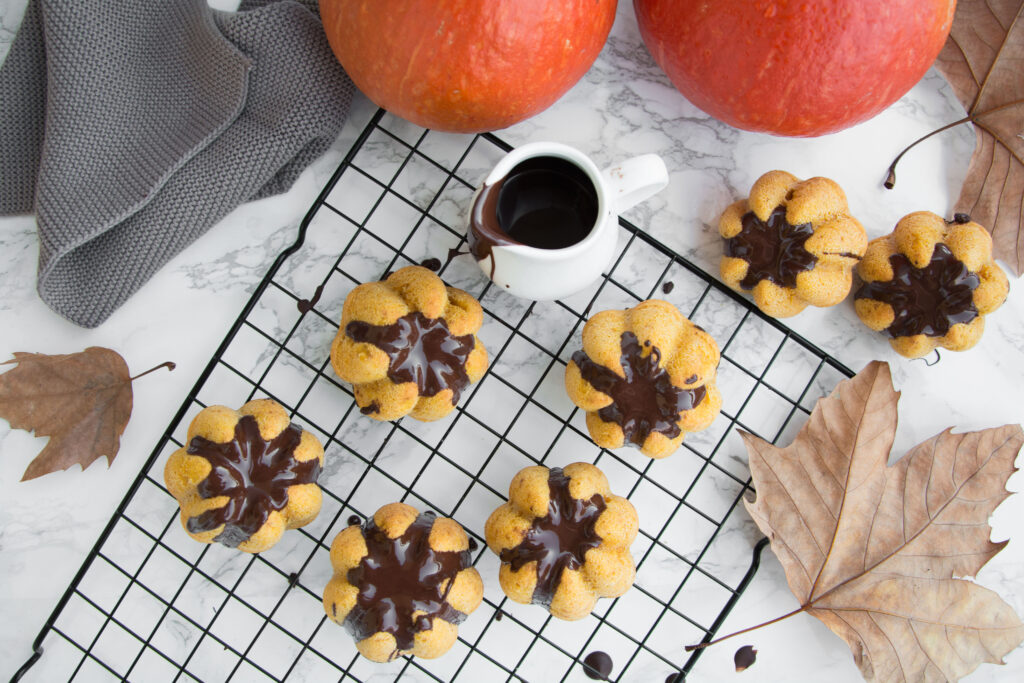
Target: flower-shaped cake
<point x="403" y="581"/>
<point x="646" y="377"/>
<point x="563" y="539"/>
<point x="245" y="476"/>
<point x="792" y="243"/>
<point x="408" y="345"/>
<point x="930" y="283"/>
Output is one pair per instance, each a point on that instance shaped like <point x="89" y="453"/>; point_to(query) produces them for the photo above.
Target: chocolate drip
<point x="400" y="577"/>
<point x="643" y="401"/>
<point x="544" y="202"/>
<point x="422" y="350"/>
<point x="560" y="539"/>
<point x="433" y="264"/>
<point x="927" y="300"/>
<point x="306" y="305"/>
<point x="774" y="249"/>
<point x="598" y="665"/>
<point x="255" y="475"/>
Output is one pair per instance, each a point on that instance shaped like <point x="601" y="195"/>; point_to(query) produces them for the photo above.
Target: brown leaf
<point x="871" y="550"/>
<point x="983" y="60"/>
<point x="82" y="401"/>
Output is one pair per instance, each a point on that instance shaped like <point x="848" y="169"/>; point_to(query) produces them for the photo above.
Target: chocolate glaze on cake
<point x="255" y="475"/>
<point x="645" y="400"/>
<point x="422" y="350"/>
<point x="399" y="577"/>
<point x="774" y="249"/>
<point x="560" y="539"/>
<point x="927" y="300"/>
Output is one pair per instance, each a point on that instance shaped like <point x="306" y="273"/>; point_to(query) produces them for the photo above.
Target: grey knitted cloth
<point x="131" y="126"/>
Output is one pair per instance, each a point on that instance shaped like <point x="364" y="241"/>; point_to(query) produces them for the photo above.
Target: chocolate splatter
<point x="927" y="300"/>
<point x="643" y="401"/>
<point x="433" y="264"/>
<point x="560" y="539"/>
<point x="354" y="520"/>
<point x="402" y="577"/>
<point x="421" y="350"/>
<point x="597" y="665"/>
<point x="773" y="249"/>
<point x="667" y="287"/>
<point x="306" y="305"/>
<point x="744" y="658"/>
<point x="253" y="473"/>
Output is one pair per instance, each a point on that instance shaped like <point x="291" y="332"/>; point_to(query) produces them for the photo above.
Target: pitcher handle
<point x="634" y="180"/>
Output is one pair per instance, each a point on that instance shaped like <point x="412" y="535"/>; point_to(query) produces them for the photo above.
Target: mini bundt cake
<point x="403" y="581"/>
<point x="563" y="539"/>
<point x="930" y="283"/>
<point x="408" y="345"/>
<point x="245" y="476"/>
<point x="646" y="377"/>
<point x="792" y="243"/>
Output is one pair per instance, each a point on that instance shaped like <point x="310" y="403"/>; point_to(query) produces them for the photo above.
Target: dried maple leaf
<point x="983" y="60"/>
<point x="82" y="401"/>
<point x="871" y="550"/>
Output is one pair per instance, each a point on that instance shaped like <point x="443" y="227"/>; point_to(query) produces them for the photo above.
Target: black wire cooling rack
<point x="150" y="604"/>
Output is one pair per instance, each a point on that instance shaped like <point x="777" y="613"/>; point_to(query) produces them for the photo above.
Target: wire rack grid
<point x="151" y="604"/>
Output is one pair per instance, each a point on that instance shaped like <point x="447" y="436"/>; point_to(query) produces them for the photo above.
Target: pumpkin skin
<point x="466" y="66"/>
<point x="794" y="67"/>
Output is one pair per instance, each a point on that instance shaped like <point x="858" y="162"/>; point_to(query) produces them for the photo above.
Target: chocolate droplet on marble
<point x="744" y="658"/>
<point x="597" y="665"/>
<point x="433" y="264"/>
<point x="667" y="287"/>
<point x="472" y="544"/>
<point x="306" y="305"/>
<point x="676" y="678"/>
<point x="354" y="520"/>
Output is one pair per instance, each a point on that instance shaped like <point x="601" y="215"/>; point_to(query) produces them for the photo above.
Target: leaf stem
<point x="169" y="365"/>
<point x="890" y="178"/>
<point x="700" y="646"/>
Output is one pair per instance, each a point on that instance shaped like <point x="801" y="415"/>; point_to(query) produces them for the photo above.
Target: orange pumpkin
<point x="794" y="67"/>
<point x="466" y="65"/>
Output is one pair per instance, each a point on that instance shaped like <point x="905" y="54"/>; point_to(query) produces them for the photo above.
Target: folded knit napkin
<point x="131" y="127"/>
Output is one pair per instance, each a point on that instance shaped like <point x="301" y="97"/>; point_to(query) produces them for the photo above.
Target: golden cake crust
<point x="607" y="569"/>
<point x="917" y="239"/>
<point x="185" y="472"/>
<point x="836" y="243"/>
<point x="366" y="366"/>
<point x="463" y="593"/>
<point x="688" y="355"/>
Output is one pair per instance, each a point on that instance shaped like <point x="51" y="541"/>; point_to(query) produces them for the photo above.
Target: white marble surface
<point x="623" y="106"/>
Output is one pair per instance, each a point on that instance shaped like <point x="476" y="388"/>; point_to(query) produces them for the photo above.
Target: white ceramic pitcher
<point x="546" y="273"/>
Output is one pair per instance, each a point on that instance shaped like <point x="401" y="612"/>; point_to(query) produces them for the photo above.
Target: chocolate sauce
<point x="560" y="539"/>
<point x="472" y="544"/>
<point x="370" y="408"/>
<point x="675" y="678"/>
<point x="774" y="249"/>
<point x="422" y="350"/>
<point x="306" y="305"/>
<point x="597" y="665"/>
<point x="744" y="658"/>
<point x="927" y="300"/>
<point x="499" y="615"/>
<point x="353" y="520"/>
<point x="643" y="401"/>
<point x="433" y="264"/>
<point x="255" y="475"/>
<point x="667" y="287"/>
<point x="399" y="578"/>
<point x="544" y="202"/>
